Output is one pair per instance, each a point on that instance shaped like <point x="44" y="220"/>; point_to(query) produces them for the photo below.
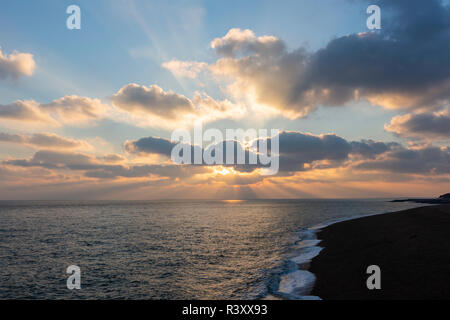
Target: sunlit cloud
<point x="261" y="71"/>
<point x="25" y="111"/>
<point x="69" y="110"/>
<point x="434" y="125"/>
<point x="152" y="100"/>
<point x="152" y="106"/>
<point x="16" y="64"/>
<point x="188" y="69"/>
<point x="45" y="140"/>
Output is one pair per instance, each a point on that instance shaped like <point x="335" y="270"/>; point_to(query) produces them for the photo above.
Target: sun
<point x="223" y="171"/>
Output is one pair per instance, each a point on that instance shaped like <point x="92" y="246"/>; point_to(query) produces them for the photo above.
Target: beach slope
<point x="411" y="247"/>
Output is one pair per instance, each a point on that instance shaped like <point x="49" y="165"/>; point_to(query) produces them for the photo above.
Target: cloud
<point x="425" y="160"/>
<point x="422" y="125"/>
<point x="211" y="109"/>
<point x="156" y="107"/>
<point x="161" y="146"/>
<point x="24" y="176"/>
<point x="302" y="151"/>
<point x="312" y="161"/>
<point x="138" y="105"/>
<point x="369" y="65"/>
<point x="145" y="171"/>
<point x="297" y="151"/>
<point x="94" y="167"/>
<point x="152" y="100"/>
<point x="373" y="65"/>
<point x="244" y="41"/>
<point x="16" y="64"/>
<point x="151" y="145"/>
<point x="72" y="110"/>
<point x="370" y="149"/>
<point x="260" y="69"/>
<point x="44" y="140"/>
<point x="75" y="110"/>
<point x="27" y="111"/>
<point x="112" y="158"/>
<point x="188" y="69"/>
<point x="57" y="159"/>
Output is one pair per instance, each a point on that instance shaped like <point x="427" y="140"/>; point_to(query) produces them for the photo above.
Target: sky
<point x="89" y="113"/>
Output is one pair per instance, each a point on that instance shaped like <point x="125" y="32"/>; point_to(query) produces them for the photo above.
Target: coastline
<point x="411" y="247"/>
<point x="297" y="281"/>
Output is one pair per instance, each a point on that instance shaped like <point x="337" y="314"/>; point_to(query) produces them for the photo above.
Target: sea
<point x="242" y="249"/>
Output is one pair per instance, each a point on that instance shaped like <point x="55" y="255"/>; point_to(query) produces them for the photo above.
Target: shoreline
<point x="411" y="247"/>
<point x="299" y="281"/>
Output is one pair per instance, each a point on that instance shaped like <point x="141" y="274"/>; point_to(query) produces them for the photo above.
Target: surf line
<point x="199" y="310"/>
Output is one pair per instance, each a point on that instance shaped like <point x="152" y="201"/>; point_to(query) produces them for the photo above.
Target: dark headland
<point x="443" y="199"/>
<point x="411" y="247"/>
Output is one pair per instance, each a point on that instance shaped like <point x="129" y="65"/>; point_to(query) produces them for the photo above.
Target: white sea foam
<point x="307" y="243"/>
<point x="299" y="282"/>
<point x="307" y="254"/>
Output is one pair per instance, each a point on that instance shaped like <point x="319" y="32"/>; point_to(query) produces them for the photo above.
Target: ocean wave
<point x="297" y="282"/>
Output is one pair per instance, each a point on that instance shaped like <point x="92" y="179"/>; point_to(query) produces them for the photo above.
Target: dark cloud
<point x="406" y="61"/>
<point x="150" y="145"/>
<point x="371" y="149"/>
<point x="421" y="125"/>
<point x="295" y="150"/>
<point x="298" y="152"/>
<point x="427" y="160"/>
<point x="403" y="65"/>
<point x="55" y="159"/>
<point x="308" y="147"/>
<point x="299" y="149"/>
<point x="160" y="146"/>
